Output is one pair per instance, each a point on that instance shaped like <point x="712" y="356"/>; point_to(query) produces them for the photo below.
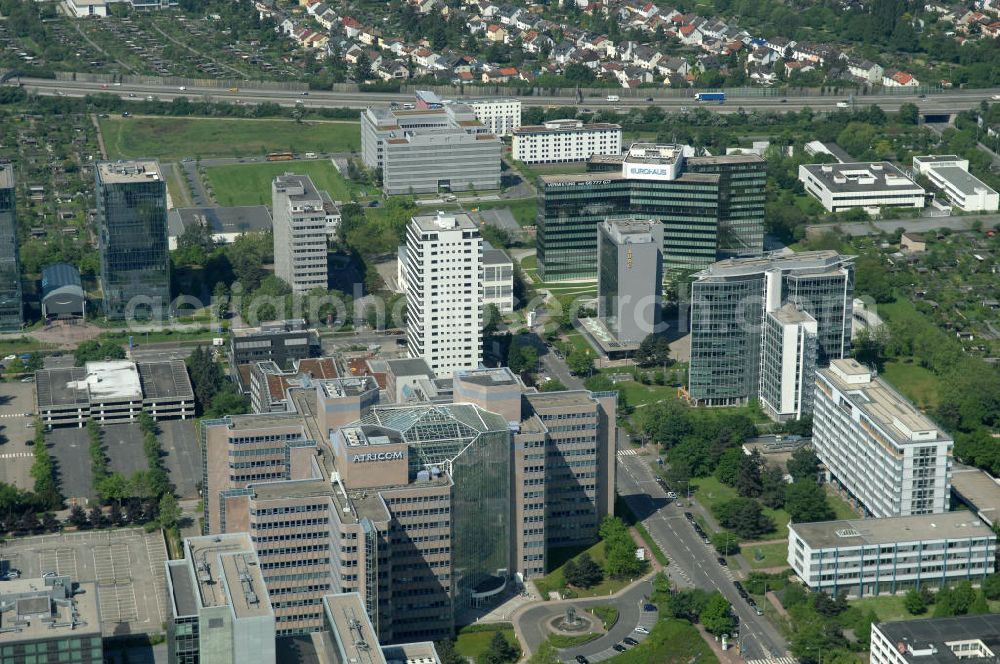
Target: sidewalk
<point x="730" y="656"/>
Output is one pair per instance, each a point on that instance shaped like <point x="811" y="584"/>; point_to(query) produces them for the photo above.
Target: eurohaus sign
<point x="647" y="172"/>
<point x="377" y="456"/>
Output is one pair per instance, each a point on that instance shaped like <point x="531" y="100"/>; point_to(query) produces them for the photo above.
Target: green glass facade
<point x="132" y="239"/>
<point x="10" y="271"/>
<point x="79" y="650"/>
<point x="742" y="179"/>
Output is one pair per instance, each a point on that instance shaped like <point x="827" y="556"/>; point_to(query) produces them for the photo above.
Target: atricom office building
<point x="423" y="509"/>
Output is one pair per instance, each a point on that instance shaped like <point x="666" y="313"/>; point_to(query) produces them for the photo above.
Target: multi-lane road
<point x="947" y="101"/>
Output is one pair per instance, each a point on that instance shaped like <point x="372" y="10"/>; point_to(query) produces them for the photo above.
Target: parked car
<point x="50" y="574"/>
<point x="630" y="641"/>
<point x="12" y="574"/>
<point x="619" y="647"/>
<point x="722" y="561"/>
<point x="580" y="659"/>
<point x="641" y="630"/>
<point x="649" y="607"/>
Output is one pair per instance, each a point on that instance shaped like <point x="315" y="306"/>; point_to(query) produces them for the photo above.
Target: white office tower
<point x="887" y="454"/>
<point x="789" y="348"/>
<point x="444" y="309"/>
<point x="300" y="256"/>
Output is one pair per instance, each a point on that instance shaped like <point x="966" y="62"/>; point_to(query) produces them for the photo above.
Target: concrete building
<point x="498" y="279"/>
<point x="710" y="208"/>
<point x="500" y="116"/>
<point x="629" y="275"/>
<point x="977" y="490"/>
<point x="300" y="253"/>
<point x="85" y="8"/>
<point x="279" y="341"/>
<point x="11" y="313"/>
<point x="444" y="306"/>
<point x="430" y="150"/>
<point x="559" y="141"/>
<point x="225" y="223"/>
<point x="863" y="557"/>
<point x="113" y="391"/>
<point x="219" y="605"/>
<point x="789" y="352"/>
<point x="868" y="185"/>
<point x="50" y="621"/>
<point x="132" y="239"/>
<point x="62" y="292"/>
<point x="972" y="639"/>
<point x="912" y="243"/>
<point x="269" y="383"/>
<point x="891" y="458"/>
<point x="950" y="174"/>
<point x="730" y="306"/>
<point x="403" y="375"/>
<point x="423" y="510"/>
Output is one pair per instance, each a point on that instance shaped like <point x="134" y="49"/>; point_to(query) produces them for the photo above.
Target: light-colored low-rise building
<point x="876" y="445"/>
<point x="868" y="185"/>
<point x="937" y="640"/>
<point x="565" y="140"/>
<point x="861" y="557"/>
<point x="950" y="174"/>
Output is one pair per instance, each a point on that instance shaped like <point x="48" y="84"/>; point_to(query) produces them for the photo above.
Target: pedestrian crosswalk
<point x="773" y="660"/>
<point x="16" y="455"/>
<point x="15" y="415"/>
<point x="625" y="453"/>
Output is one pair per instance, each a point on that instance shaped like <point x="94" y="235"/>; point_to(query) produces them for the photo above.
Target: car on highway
<point x="131" y="94"/>
<point x="580" y="659"/>
<point x="649" y="99"/>
<point x="182" y="88"/>
<point x="996" y="97"/>
<point x="784" y="101"/>
<point x="305" y="93"/>
<point x="619" y="647"/>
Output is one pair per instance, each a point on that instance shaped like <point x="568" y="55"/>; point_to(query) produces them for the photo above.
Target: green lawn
<point x="523" y="209"/>
<point x="891" y="607"/>
<point x="554" y="580"/>
<point x="775" y="555"/>
<point x="250" y="184"/>
<point x="841" y="508"/>
<point x="529" y="263"/>
<point x="178" y="138"/>
<point x="670" y="640"/>
<point x="711" y="491"/>
<point x="474" y="643"/>
<point x="916" y="383"/>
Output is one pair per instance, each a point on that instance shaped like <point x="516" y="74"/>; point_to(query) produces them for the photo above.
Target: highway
<point x="948" y="101"/>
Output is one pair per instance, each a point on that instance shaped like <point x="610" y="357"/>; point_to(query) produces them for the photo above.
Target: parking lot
<point x="126" y="564"/>
<point x="179" y="439"/>
<point x="17" y="433"/>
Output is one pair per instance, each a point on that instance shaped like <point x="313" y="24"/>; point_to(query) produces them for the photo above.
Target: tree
<point x="803" y="464"/>
<point x="915" y="602"/>
<point x="687" y="604"/>
<point x="805" y="501"/>
<point x="619" y="549"/>
<point x="991" y="586"/>
<point x="500" y="651"/>
<point x="772" y="487"/>
<point x="170" y="511"/>
<point x="554" y="385"/>
<point x="748" y="483"/>
<point x="744" y="516"/>
<point x="726" y="543"/>
<point x="194" y="244"/>
<point x="96" y="350"/>
<point x="521" y="357"/>
<point x="95" y="516"/>
<point x="78" y="518"/>
<point x="35" y="362"/>
<point x="491" y="318"/>
<point x="446" y="652"/>
<point x="654" y="350"/>
<point x="979" y="605"/>
<point x="909" y="114"/>
<point x="583" y="572"/>
<point x="569" y="572"/>
<point x="728" y="467"/>
<point x="716" y="615"/>
<point x="362" y="68"/>
<point x="580" y="361"/>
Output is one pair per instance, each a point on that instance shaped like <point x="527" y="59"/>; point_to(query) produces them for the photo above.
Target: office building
<point x="950" y="174"/>
<point x="113" y="391"/>
<point x="219" y="605"/>
<point x="428" y="150"/>
<point x="869" y="185"/>
<point x="629" y="274"/>
<point x="559" y="141"/>
<point x="972" y="639"/>
<point x="891" y="458"/>
<point x="498" y="279"/>
<point x="710" y="208"/>
<point x="269" y="383"/>
<point x="132" y="239"/>
<point x="500" y="116"/>
<point x="279" y="341"/>
<point x="11" y="313"/>
<point x="422" y="509"/>
<point x="50" y="621"/>
<point x="444" y="308"/>
<point x="62" y="292"/>
<point x="863" y="557"/>
<point x="300" y="255"/>
<point x="730" y="301"/>
<point x="789" y="351"/>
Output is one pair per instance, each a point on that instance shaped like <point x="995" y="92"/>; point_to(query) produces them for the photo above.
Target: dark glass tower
<point x="10" y="270"/>
<point x="132" y="238"/>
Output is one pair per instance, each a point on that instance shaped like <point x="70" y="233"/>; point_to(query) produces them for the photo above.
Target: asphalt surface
<point x="182" y="455"/>
<point x="944" y="102"/>
<point x="532" y="623"/>
<point x="692" y="563"/>
<point x="920" y="225"/>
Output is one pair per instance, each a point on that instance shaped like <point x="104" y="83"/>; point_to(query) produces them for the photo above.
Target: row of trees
<point x="215" y="395"/>
<point x="711" y="609"/>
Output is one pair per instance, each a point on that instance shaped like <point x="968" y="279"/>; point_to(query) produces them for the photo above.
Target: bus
<point x="280" y="156"/>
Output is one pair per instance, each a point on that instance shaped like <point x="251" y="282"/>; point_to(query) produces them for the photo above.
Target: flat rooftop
<point x="629" y="231"/>
<point x="220" y="220"/>
<point x="543" y="400"/>
<point x="726" y="159"/>
<point x="862" y="176"/>
<point x="858" y="532"/>
<point x="35" y="609"/>
<point x="61" y="387"/>
<point x="165" y="380"/>
<point x="293" y="182"/>
<point x="227" y="573"/>
<point x="348" y="387"/>
<point x="565" y="126"/>
<point x="352" y="631"/>
<point x="487" y="377"/>
<point x="652" y="153"/>
<point x="6" y="176"/>
<point x="887" y="408"/>
<point x="443" y="221"/>
<point x="128" y="172"/>
<point x="292" y="489"/>
<point x="919" y="635"/>
<point x="963" y="180"/>
<point x="789" y="314"/>
<point x="978" y="489"/>
<point x="824" y="260"/>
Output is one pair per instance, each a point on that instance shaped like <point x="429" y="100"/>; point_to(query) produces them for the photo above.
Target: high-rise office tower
<point x="630" y="273"/>
<point x="132" y="239"/>
<point x="10" y="269"/>
<point x="444" y="309"/>
<point x="300" y="254"/>
<point x="730" y="302"/>
<point x="710" y="207"/>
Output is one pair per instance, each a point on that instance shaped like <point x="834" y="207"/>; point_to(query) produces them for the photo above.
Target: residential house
<point x="562" y="53"/>
<point x="895" y="78"/>
<point x="690" y="35"/>
<point x="865" y="69"/>
<point x="646" y="57"/>
<point x="496" y="34"/>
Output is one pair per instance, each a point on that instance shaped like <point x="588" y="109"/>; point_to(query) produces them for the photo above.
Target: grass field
<point x="918" y="384"/>
<point x="554" y="580"/>
<point x="523" y="209"/>
<point x="841" y="508"/>
<point x="172" y="139"/>
<point x="711" y="491"/>
<point x="250" y="184"/>
<point x="670" y="640"/>
<point x="774" y="555"/>
<point x="472" y="644"/>
<point x="890" y="607"/>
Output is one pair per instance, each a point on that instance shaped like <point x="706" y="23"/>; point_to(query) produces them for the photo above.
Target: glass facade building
<point x="713" y="209"/>
<point x="132" y="239"/>
<point x="10" y="269"/>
